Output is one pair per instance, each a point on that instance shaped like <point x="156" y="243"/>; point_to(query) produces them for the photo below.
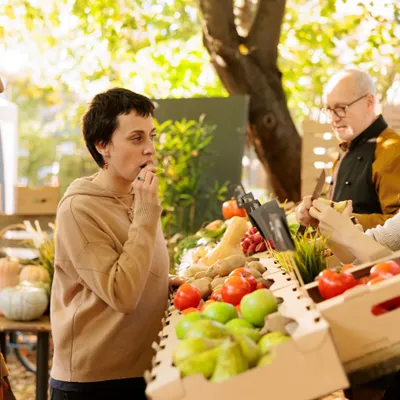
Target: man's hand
<point x="303" y="213"/>
<point x="335" y="226"/>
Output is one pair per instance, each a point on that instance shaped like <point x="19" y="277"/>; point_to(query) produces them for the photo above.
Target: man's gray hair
<point x="363" y="83"/>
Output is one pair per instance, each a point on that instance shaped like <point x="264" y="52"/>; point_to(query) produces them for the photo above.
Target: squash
<point x="34" y="273"/>
<point x="9" y="272"/>
<point x="230" y="242"/>
<point x="23" y="302"/>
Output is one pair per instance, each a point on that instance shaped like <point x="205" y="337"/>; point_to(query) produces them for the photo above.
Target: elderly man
<point x="367" y="170"/>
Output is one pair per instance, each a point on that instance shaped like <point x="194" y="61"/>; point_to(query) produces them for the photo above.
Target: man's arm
<point x="386" y="178"/>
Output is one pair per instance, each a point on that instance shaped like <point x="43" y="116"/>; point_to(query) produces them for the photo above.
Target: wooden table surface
<point x="39" y="325"/>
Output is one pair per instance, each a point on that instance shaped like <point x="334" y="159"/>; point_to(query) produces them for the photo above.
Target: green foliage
<point x="57" y="54"/>
<point x="319" y="38"/>
<point x="185" y="195"/>
<point x="309" y="256"/>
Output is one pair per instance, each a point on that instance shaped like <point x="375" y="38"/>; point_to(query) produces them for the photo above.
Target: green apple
<point x="239" y="322"/>
<point x="185" y="321"/>
<point x="268" y="341"/>
<point x="220" y="311"/>
<point x="257" y="305"/>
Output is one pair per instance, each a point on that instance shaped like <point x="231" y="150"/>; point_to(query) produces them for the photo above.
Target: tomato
<point x="386" y="267"/>
<point x="189" y="310"/>
<point x="363" y="281"/>
<point x="347" y="266"/>
<point x="216" y="295"/>
<point x="379" y="278"/>
<point x="186" y="296"/>
<point x="231" y="209"/>
<point x="206" y="303"/>
<point x="378" y="310"/>
<point x="260" y="285"/>
<point x="246" y="274"/>
<point x="234" y="288"/>
<point x="332" y="283"/>
<point x="386" y="306"/>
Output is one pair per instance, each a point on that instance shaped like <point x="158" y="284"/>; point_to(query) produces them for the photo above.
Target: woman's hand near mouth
<point x="145" y="186"/>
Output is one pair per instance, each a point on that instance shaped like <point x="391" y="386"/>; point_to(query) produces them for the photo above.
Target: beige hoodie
<point x="110" y="284"/>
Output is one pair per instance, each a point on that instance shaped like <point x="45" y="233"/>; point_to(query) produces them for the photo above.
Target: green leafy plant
<point x="309" y="256"/>
<point x="183" y="152"/>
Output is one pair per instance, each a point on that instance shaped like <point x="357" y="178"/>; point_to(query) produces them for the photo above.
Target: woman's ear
<point x="103" y="149"/>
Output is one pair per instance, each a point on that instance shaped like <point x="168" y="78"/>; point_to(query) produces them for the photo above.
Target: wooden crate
<point x="41" y="200"/>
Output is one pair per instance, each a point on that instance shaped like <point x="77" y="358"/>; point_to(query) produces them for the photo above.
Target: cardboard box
<point x="305" y="367"/>
<point x="36" y="201"/>
<point x="362" y="338"/>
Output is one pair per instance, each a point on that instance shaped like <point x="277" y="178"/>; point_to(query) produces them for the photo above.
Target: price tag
<point x="238" y="191"/>
<point x="271" y="222"/>
<point x="251" y="206"/>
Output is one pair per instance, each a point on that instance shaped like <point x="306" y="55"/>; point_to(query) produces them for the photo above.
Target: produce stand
<point x="309" y="362"/>
<point x="335" y="343"/>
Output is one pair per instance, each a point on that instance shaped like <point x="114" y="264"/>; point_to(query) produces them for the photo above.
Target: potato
<point x="254" y="272"/>
<point x="218" y="280"/>
<point x="226" y="266"/>
<point x="217" y="287"/>
<point x="195" y="268"/>
<point x="250" y="259"/>
<point x="204" y="287"/>
<point x="257" y="265"/>
<point x="201" y="274"/>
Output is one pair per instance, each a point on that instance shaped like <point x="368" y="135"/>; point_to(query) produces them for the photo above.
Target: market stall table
<point x="42" y="328"/>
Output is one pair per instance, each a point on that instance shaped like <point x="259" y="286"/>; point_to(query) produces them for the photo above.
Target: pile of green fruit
<point x="218" y="344"/>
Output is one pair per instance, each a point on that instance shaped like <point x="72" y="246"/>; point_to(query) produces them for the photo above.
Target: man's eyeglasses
<point x="340" y="112"/>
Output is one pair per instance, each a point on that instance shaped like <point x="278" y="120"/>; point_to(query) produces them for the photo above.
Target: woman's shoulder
<point x="78" y="204"/>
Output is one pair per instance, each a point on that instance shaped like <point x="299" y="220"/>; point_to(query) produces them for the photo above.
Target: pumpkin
<point x="231" y="209"/>
<point x="9" y="272"/>
<point x="23" y="302"/>
<point x="34" y="273"/>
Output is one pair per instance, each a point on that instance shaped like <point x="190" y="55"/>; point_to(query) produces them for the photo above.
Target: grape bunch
<point x="252" y="242"/>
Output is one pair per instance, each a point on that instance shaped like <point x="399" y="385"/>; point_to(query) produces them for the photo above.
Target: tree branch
<point x="264" y="35"/>
<point x="219" y="27"/>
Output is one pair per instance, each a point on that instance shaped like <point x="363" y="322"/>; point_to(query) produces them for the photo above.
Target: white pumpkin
<point x="23" y="302"/>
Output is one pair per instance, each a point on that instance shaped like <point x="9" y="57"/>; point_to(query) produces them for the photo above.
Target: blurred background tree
<point x="57" y="54"/>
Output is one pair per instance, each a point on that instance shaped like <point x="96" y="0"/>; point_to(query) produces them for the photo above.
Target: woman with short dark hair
<point x="110" y="285"/>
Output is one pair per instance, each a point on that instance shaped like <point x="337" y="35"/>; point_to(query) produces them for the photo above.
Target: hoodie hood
<point x="85" y="186"/>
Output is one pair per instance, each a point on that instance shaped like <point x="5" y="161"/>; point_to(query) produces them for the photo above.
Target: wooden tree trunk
<point x="248" y="65"/>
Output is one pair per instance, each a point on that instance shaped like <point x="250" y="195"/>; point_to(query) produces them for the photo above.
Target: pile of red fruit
<point x="252" y="242"/>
